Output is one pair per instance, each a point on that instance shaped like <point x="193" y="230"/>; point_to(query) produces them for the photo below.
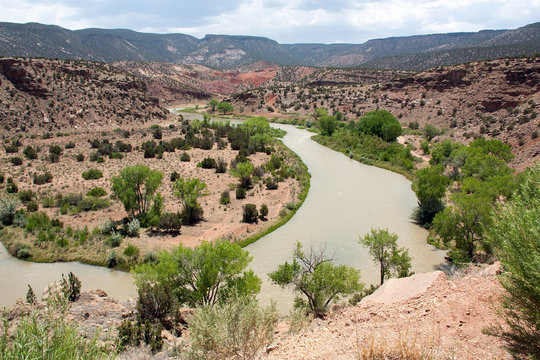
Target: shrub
<point x="16" y="161"/>
<point x="30" y="153"/>
<point x="11" y="149"/>
<point x="263" y="211"/>
<point x="70" y="145"/>
<point x="32" y="206"/>
<point x="8" y="208"/>
<point x="108" y="227"/>
<point x="225" y="198"/>
<point x="249" y="213"/>
<point x="97" y="192"/>
<point x="92" y="174"/>
<point x="54" y="153"/>
<point x="133" y="227"/>
<point x="174" y="176"/>
<point x="48" y="334"/>
<point x="208" y="163"/>
<point x="20" y="251"/>
<point x="43" y="178"/>
<point x="12" y="188"/>
<point x="112" y="259"/>
<point x="515" y="234"/>
<point x="185" y="157"/>
<point x="79" y="157"/>
<point x="71" y="287"/>
<point x="132" y="251"/>
<point x="114" y="240"/>
<point x="235" y="329"/>
<point x="221" y="166"/>
<point x="92" y="203"/>
<point x="270" y="183"/>
<point x="170" y="222"/>
<point x="133" y="333"/>
<point x="240" y="193"/>
<point x="25" y="196"/>
<point x="154" y="301"/>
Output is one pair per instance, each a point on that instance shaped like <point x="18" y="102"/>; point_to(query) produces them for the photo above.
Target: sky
<point x="286" y="21"/>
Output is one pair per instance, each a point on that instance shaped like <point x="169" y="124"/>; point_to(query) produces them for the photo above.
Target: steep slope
<point x="496" y="98"/>
<point x="227" y="51"/>
<point x="40" y="95"/>
<point x="443" y="320"/>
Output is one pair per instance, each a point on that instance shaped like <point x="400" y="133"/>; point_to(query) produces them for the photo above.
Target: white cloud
<point x="282" y="20"/>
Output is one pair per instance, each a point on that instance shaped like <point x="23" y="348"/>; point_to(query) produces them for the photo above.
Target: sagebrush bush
<point x="8" y="208"/>
<point x="108" y="227"/>
<point x="238" y="328"/>
<point x="133" y="227"/>
<point x="114" y="240"/>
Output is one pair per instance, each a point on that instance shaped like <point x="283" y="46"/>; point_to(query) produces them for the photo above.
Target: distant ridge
<point x="230" y="51"/>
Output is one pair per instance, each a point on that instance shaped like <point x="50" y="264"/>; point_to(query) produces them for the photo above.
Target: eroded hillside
<point x="496" y="99"/>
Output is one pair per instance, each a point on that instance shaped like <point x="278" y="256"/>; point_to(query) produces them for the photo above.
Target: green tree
<point x="430" y="132"/>
<point x="225" y="107"/>
<point x="202" y="275"/>
<point x="135" y="188"/>
<point x="393" y="260"/>
<point x="320" y="112"/>
<point x="380" y="123"/>
<point x="430" y="188"/>
<point x="328" y="125"/>
<point x="463" y="224"/>
<point x="213" y="103"/>
<point x="515" y="236"/>
<point x="243" y="171"/>
<point x="189" y="190"/>
<point x="314" y="276"/>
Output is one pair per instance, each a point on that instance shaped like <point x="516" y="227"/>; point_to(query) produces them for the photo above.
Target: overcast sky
<point x="292" y="21"/>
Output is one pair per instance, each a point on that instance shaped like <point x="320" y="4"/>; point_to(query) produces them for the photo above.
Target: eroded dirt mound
<point x="443" y="321"/>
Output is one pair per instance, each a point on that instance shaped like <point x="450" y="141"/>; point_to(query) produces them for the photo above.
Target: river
<point x="345" y="201"/>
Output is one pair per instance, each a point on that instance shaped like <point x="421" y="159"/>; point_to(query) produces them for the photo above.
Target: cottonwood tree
<point x="463" y="223"/>
<point x="328" y="125"/>
<point x="189" y="190"/>
<point x="203" y="275"/>
<point x="243" y="171"/>
<point x="313" y="276"/>
<point x="135" y="188"/>
<point x="430" y="188"/>
<point x="225" y="107"/>
<point x="393" y="260"/>
<point x="213" y="103"/>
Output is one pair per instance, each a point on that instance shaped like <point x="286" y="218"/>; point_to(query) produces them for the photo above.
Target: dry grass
<point x="404" y="347"/>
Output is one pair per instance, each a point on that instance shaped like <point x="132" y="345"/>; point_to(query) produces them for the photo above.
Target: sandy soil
<point x="219" y="221"/>
<point x="445" y="321"/>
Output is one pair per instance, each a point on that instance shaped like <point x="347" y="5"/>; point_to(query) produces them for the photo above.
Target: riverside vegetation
<point x="228" y="322"/>
<point x="43" y="223"/>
